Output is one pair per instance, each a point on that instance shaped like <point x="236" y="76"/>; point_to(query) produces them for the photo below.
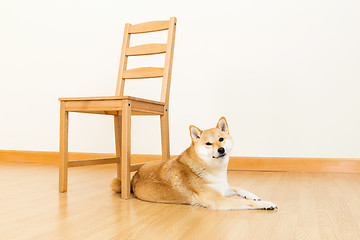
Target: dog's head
<point x="213" y="144"/>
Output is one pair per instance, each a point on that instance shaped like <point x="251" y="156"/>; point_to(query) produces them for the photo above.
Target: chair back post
<point x="123" y="62"/>
<point x="165" y="89"/>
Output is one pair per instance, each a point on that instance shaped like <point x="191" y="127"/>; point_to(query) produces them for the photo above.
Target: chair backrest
<point x="148" y="49"/>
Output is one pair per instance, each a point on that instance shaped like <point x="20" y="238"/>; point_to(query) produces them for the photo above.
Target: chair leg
<point x="117" y="127"/>
<point x="125" y="149"/>
<point x="165" y="139"/>
<point x="63" y="158"/>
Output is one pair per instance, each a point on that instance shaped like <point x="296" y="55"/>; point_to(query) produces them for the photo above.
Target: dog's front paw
<point x="266" y="205"/>
<point x="243" y="193"/>
<point x="251" y="196"/>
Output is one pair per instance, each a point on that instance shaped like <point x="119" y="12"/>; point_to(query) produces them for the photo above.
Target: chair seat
<point x="112" y="105"/>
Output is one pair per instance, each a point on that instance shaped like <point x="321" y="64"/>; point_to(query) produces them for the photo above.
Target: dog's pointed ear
<point x="195" y="133"/>
<point x="223" y="125"/>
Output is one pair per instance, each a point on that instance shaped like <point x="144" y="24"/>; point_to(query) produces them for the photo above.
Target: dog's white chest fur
<point x="218" y="183"/>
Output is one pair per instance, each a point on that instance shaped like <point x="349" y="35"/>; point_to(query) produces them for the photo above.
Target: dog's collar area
<point x="220" y="156"/>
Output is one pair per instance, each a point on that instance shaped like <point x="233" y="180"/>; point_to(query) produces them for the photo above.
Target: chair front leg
<point x="63" y="151"/>
<point x="165" y="139"/>
<point x="125" y="149"/>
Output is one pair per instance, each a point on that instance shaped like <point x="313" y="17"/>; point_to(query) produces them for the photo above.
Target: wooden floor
<point x="311" y="206"/>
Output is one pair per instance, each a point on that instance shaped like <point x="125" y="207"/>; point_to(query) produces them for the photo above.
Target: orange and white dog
<point x="198" y="176"/>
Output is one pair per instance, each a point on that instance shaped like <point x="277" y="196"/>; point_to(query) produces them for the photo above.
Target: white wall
<point x="284" y="73"/>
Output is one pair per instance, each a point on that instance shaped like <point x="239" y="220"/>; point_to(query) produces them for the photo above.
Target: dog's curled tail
<point x="116" y="185"/>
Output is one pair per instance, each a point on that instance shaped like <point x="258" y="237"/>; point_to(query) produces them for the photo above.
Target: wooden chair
<point x="122" y="107"/>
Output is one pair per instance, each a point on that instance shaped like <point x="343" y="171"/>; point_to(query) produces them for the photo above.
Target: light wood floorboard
<point x="311" y="206"/>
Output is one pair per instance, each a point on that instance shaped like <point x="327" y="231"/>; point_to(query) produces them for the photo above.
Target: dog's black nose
<point x="221" y="150"/>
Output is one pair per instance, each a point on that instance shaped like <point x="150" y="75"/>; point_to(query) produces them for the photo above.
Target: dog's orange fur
<point x="194" y="177"/>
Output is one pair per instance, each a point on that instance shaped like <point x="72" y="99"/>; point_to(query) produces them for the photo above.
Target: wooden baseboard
<point x="296" y="164"/>
<point x="53" y="157"/>
<point x="286" y="164"/>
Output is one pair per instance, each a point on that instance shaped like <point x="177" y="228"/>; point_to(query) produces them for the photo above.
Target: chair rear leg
<point x="165" y="139"/>
<point x="63" y="158"/>
<point x="117" y="127"/>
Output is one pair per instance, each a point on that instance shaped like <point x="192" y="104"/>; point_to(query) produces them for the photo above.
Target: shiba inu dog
<point x="197" y="177"/>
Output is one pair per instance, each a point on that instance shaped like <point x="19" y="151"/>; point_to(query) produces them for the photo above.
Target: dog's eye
<point x="208" y="143"/>
<point x="221" y="139"/>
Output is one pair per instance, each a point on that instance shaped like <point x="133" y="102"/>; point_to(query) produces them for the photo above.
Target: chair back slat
<point x="143" y="72"/>
<point x="146" y="49"/>
<point x="149" y="27"/>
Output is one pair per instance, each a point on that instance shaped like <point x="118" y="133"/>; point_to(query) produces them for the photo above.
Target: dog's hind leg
<point x="236" y="191"/>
